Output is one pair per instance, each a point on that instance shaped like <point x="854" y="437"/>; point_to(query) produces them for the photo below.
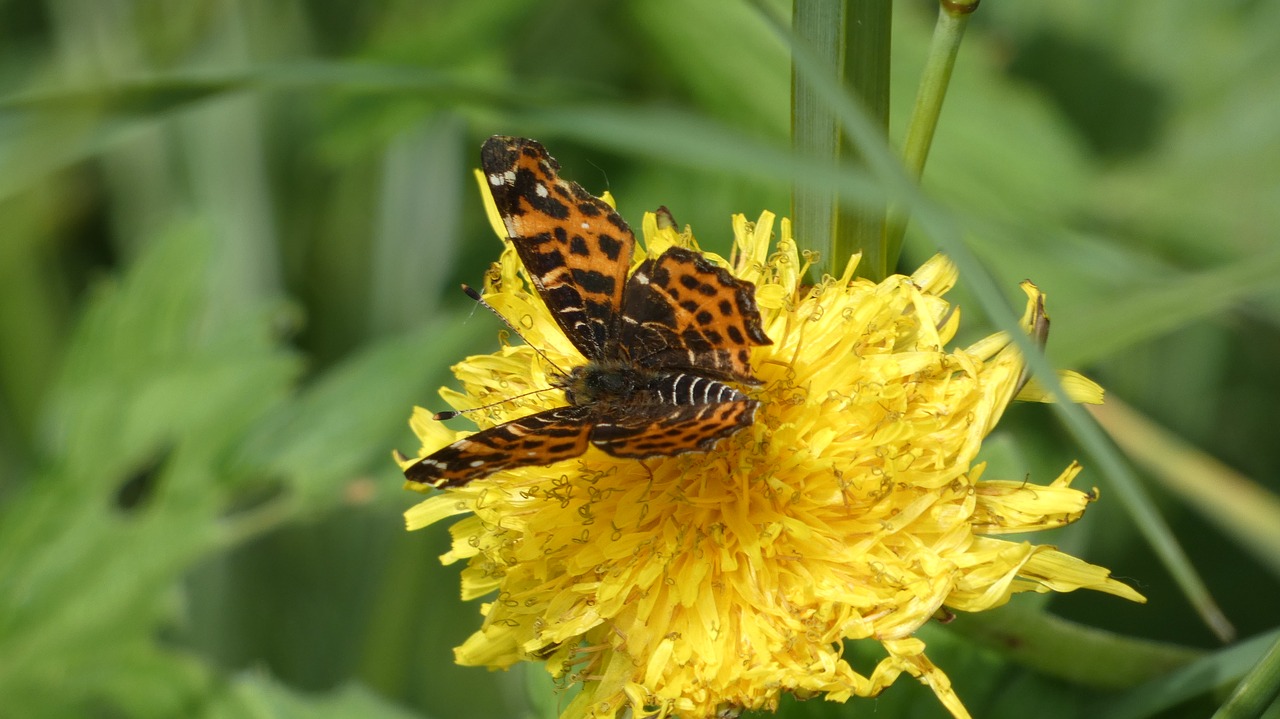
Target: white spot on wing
<point x="476" y="463"/>
<point x="495" y="179"/>
<point x="541" y="189"/>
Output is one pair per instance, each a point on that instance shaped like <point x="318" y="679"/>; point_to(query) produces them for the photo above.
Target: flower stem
<point x="851" y="40"/>
<point x="953" y="17"/>
<point x="1258" y="691"/>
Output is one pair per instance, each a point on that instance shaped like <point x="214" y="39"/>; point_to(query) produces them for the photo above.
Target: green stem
<point x="1022" y="631"/>
<point x="1257" y="692"/>
<point x="953" y="17"/>
<point x="851" y="41"/>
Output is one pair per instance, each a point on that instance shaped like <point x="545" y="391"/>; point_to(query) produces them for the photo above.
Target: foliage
<point x="231" y="238"/>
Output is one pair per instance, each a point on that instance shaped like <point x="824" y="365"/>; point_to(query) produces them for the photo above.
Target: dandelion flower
<point x="853" y="508"/>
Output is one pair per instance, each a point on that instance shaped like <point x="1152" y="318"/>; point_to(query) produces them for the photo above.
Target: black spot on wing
<point x="527" y="188"/>
<point x="594" y="282"/>
<point x="541" y="255"/>
<point x="610" y="246"/>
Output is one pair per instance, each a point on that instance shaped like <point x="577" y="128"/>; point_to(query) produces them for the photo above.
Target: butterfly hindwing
<point x="575" y="247"/>
<point x="656" y="430"/>
<point x="542" y="438"/>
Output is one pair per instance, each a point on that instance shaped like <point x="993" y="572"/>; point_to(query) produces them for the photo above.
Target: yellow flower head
<point x="852" y="509"/>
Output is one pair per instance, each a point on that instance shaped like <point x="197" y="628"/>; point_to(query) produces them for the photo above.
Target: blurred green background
<point x="231" y="234"/>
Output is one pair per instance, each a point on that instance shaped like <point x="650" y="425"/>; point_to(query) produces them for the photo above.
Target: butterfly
<point x="660" y="345"/>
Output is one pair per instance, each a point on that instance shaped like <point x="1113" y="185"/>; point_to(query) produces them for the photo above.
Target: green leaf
<point x="334" y="430"/>
<point x="1207" y="674"/>
<point x="157" y="380"/>
<point x="256" y="696"/>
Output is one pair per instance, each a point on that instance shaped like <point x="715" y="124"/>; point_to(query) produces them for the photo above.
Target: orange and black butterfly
<point x="659" y="344"/>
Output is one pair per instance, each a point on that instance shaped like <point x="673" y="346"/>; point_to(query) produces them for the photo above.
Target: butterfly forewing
<point x="575" y="247"/>
<point x="681" y="311"/>
<point x="538" y="439"/>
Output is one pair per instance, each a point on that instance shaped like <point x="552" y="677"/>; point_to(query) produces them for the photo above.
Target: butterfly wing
<point x="543" y="438"/>
<point x="681" y="311"/>
<point x="575" y="247"/>
<point x="663" y="430"/>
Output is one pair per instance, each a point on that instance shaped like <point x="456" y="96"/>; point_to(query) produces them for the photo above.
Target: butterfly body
<point x="618" y="384"/>
<point x="660" y="343"/>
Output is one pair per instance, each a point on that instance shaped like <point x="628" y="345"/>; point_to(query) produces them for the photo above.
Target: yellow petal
<point x="1078" y="388"/>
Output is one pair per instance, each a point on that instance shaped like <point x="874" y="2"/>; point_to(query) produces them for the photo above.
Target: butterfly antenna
<point x="473" y="294"/>
<point x="451" y="413"/>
